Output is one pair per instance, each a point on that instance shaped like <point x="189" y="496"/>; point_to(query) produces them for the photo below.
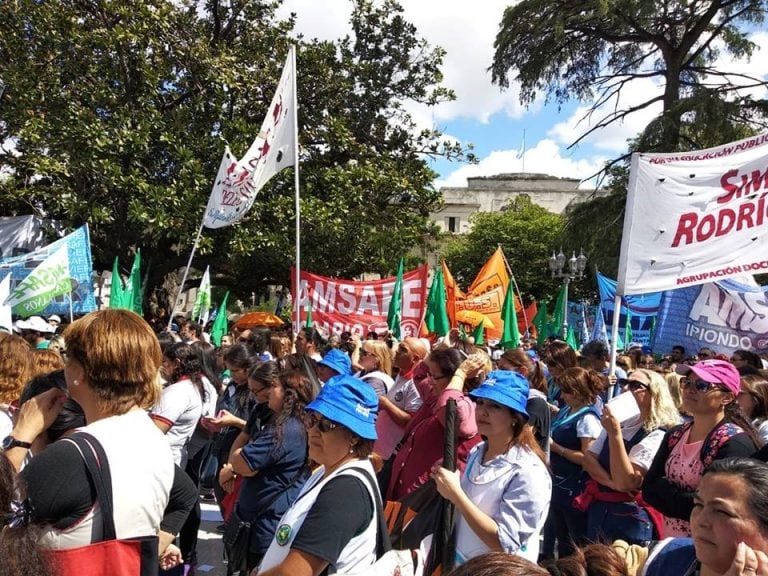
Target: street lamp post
<point x="576" y="267"/>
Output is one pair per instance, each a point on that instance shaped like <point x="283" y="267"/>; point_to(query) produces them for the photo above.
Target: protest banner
<point x="695" y="217"/>
<point x="48" y="280"/>
<point x="486" y="296"/>
<point x="361" y="307"/>
<point x="80" y="270"/>
<point x="724" y="316"/>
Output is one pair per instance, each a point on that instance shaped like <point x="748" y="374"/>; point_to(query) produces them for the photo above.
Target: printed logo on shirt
<point x="283" y="534"/>
<point x="399" y="396"/>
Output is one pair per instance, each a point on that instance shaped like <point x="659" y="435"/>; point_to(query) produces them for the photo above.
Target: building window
<point x="453" y="224"/>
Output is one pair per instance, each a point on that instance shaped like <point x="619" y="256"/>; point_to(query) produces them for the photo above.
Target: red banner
<point x="361" y="307"/>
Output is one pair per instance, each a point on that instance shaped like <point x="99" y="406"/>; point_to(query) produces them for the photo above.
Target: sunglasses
<point x="700" y="385"/>
<point x="632" y="385"/>
<point x="312" y="419"/>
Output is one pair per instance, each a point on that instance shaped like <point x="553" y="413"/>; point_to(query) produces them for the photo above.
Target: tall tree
<point x="592" y="50"/>
<point x="527" y="234"/>
<point x="123" y="121"/>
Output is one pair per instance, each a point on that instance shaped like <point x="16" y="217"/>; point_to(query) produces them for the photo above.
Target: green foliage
<point x="590" y="50"/>
<point x="527" y="234"/>
<point x="119" y="111"/>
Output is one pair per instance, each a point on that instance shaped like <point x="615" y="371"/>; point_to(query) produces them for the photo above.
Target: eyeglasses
<point x="700" y="385"/>
<point x="312" y="419"/>
<point x="403" y="349"/>
<point x="437" y="376"/>
<point x="737" y="359"/>
<point x="633" y="385"/>
<point x="364" y="353"/>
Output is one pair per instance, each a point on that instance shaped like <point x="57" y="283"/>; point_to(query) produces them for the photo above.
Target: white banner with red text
<point x="695" y="217"/>
<point x="360" y="307"/>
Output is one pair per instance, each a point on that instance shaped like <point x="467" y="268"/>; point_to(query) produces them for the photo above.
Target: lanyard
<point x="562" y="420"/>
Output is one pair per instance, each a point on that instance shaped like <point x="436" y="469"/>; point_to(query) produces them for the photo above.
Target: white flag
<point x="5" y="311"/>
<point x="50" y="279"/>
<point x="202" y="307"/>
<point x="239" y="181"/>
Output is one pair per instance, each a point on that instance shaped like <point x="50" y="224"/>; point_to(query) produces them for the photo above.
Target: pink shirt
<point x="424" y="442"/>
<point x="685" y="468"/>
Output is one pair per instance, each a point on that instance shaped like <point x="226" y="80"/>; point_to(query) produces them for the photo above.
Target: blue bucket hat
<point x="505" y="387"/>
<point x="337" y="361"/>
<point x="350" y="402"/>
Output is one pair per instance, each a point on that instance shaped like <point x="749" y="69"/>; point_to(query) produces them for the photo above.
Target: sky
<point x="493" y="120"/>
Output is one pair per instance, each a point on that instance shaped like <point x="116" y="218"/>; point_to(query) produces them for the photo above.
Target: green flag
<point x="571" y="339"/>
<point x="132" y="295"/>
<point x="556" y="325"/>
<point x="628" y="337"/>
<point x="479" y="334"/>
<point x="202" y="307"/>
<point x="510" y="337"/>
<point x="436" y="318"/>
<point x="540" y="321"/>
<point x="50" y="279"/>
<point x="116" y="295"/>
<point x="308" y="323"/>
<point x="619" y="344"/>
<point x="394" y="314"/>
<point x="220" y="324"/>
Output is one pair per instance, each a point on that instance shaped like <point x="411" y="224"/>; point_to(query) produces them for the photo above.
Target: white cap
<point x="35" y="324"/>
<point x="54" y="318"/>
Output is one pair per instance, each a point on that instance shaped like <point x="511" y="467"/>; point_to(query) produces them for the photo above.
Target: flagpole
<point x="294" y="104"/>
<point x="71" y="317"/>
<point x="517" y="288"/>
<point x="614" y="337"/>
<point x="186" y="273"/>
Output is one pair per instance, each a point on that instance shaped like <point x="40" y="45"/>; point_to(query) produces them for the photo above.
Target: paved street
<point x="209" y="547"/>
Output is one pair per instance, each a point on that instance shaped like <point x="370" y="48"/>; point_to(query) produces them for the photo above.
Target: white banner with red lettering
<point x="361" y="307"/>
<point x="695" y="217"/>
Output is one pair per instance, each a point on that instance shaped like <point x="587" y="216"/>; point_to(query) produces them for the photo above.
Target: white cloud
<point x="466" y="37"/>
<point x="545" y="158"/>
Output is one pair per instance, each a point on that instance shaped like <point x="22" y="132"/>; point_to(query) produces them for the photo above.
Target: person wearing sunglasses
<point x="717" y="430"/>
<point x="332" y="525"/>
<point x="619" y="459"/>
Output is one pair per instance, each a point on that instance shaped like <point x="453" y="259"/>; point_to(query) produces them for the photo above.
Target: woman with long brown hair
<point x="15" y="371"/>
<point x="573" y="431"/>
<point x="503" y="495"/>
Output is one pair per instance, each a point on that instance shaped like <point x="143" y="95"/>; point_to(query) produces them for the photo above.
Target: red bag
<point x="132" y="557"/>
<point x="229" y="501"/>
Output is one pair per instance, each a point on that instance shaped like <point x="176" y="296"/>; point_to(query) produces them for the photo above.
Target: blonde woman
<point x="376" y="361"/>
<point x="619" y="459"/>
<point x="675" y="389"/>
<point x="15" y="371"/>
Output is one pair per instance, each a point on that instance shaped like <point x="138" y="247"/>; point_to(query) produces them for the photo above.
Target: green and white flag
<point x="202" y="307"/>
<point x="133" y="296"/>
<point x="50" y="279"/>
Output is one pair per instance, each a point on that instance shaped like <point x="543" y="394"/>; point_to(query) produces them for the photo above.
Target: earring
<point x="75" y="383"/>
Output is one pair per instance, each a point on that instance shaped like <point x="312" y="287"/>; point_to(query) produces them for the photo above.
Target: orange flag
<point x="453" y="293"/>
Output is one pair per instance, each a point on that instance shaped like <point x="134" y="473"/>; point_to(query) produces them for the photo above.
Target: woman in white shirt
<point x="503" y="496"/>
<point x="178" y="411"/>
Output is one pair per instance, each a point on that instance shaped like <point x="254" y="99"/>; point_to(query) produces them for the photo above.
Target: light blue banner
<point x="80" y="270"/>
<point x="639" y="305"/>
<point x="723" y="316"/>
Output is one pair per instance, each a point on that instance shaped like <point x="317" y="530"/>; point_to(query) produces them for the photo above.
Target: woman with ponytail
<point x="717" y="430"/>
<point x="18" y="538"/>
<point x="503" y="495"/>
<point x="180" y="407"/>
<point x="539" y="411"/>
<point x="273" y="464"/>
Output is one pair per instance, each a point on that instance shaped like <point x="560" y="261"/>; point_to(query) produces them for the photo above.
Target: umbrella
<point x="253" y="319"/>
<point x="474" y="318"/>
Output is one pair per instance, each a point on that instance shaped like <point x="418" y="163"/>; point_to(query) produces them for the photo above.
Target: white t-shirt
<point x="180" y="407"/>
<point x="6" y="424"/>
<point x="405" y="396"/>
<point x="589" y="426"/>
<point x="141" y="468"/>
<point x="642" y="453"/>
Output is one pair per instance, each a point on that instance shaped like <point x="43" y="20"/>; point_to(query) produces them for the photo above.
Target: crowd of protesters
<point x="565" y="463"/>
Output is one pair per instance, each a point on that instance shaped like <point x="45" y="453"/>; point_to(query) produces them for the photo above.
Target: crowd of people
<point x="565" y="463"/>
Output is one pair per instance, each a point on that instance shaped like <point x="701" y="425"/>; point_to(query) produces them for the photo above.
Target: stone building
<point x="491" y="193"/>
